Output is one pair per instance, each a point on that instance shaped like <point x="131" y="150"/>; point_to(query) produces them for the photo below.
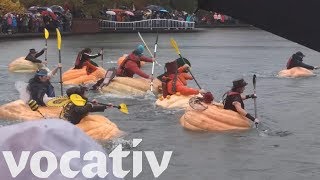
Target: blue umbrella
<point x="56" y="8"/>
<point x="155" y="8"/>
<point x="163" y="10"/>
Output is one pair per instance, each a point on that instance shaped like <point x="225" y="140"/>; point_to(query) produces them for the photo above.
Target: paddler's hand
<point x="44" y="49"/>
<point x="253" y="96"/>
<point x="316" y="67"/>
<point x="256" y="121"/>
<point x="94" y="102"/>
<point x="153" y="59"/>
<point x="109" y="105"/>
<point x="202" y="91"/>
<point x="186" y="66"/>
<point x="59" y="65"/>
<point x="44" y="62"/>
<point x="101" y="52"/>
<point x="150" y="77"/>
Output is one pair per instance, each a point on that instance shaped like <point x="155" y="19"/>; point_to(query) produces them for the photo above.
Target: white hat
<point x="56" y="136"/>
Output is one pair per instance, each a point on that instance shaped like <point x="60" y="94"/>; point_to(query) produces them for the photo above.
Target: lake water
<point x="288" y="149"/>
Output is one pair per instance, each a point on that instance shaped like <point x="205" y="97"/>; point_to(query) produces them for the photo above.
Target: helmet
<point x="140" y="49"/>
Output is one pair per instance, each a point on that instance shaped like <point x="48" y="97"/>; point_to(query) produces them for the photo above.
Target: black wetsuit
<point x="74" y="113"/>
<point x="232" y="97"/>
<point x="296" y="61"/>
<point x="38" y="89"/>
<point x="34" y="59"/>
<point x="86" y="57"/>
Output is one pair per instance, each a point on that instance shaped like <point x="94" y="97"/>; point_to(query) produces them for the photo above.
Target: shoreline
<point x="195" y="30"/>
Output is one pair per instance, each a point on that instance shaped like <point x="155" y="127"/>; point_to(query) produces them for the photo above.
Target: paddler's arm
<point x="55" y="70"/>
<point x="244" y="97"/>
<point x="146" y="59"/>
<point x="241" y="111"/>
<point x="89" y="108"/>
<point x="89" y="56"/>
<point x="301" y="64"/>
<point x="41" y="52"/>
<point x="139" y="72"/>
<point x="238" y="107"/>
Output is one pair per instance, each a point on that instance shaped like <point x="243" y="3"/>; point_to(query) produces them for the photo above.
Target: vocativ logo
<point x="96" y="167"/>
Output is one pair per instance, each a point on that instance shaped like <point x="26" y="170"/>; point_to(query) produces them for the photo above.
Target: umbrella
<point x="147" y="12"/>
<point x="50" y="10"/>
<point x="33" y="8"/>
<point x="118" y="11"/>
<point x="111" y="13"/>
<point x="46" y="13"/>
<point x="155" y="8"/>
<point x="164" y="11"/>
<point x="37" y="9"/>
<point x="129" y="13"/>
<point x="56" y="8"/>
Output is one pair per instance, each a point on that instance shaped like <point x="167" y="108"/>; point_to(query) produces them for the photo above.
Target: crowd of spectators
<point x="38" y="18"/>
<point x="35" y="21"/>
<point x="124" y="15"/>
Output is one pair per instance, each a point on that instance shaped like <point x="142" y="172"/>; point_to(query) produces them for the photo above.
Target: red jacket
<point x="131" y="66"/>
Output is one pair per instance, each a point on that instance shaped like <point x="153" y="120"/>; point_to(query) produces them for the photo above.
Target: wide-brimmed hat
<point x="32" y="51"/>
<point x="239" y="83"/>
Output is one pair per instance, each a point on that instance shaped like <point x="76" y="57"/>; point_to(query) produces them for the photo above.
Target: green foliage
<point x="10" y="6"/>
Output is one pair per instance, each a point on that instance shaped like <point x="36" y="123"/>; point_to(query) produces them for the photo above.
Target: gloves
<point x="187" y="67"/>
<point x="251" y="96"/>
<point x="109" y="105"/>
<point x="255" y="120"/>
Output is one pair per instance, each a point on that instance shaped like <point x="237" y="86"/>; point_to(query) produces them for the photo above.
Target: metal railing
<point x="146" y="24"/>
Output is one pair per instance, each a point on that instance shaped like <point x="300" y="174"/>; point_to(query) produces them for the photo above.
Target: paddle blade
<point x="123" y="108"/>
<point x="46" y="33"/>
<point x="33" y="105"/>
<point x="175" y="45"/>
<point x="77" y="100"/>
<point x="58" y="39"/>
<point x="254" y="81"/>
<point x="58" y="101"/>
